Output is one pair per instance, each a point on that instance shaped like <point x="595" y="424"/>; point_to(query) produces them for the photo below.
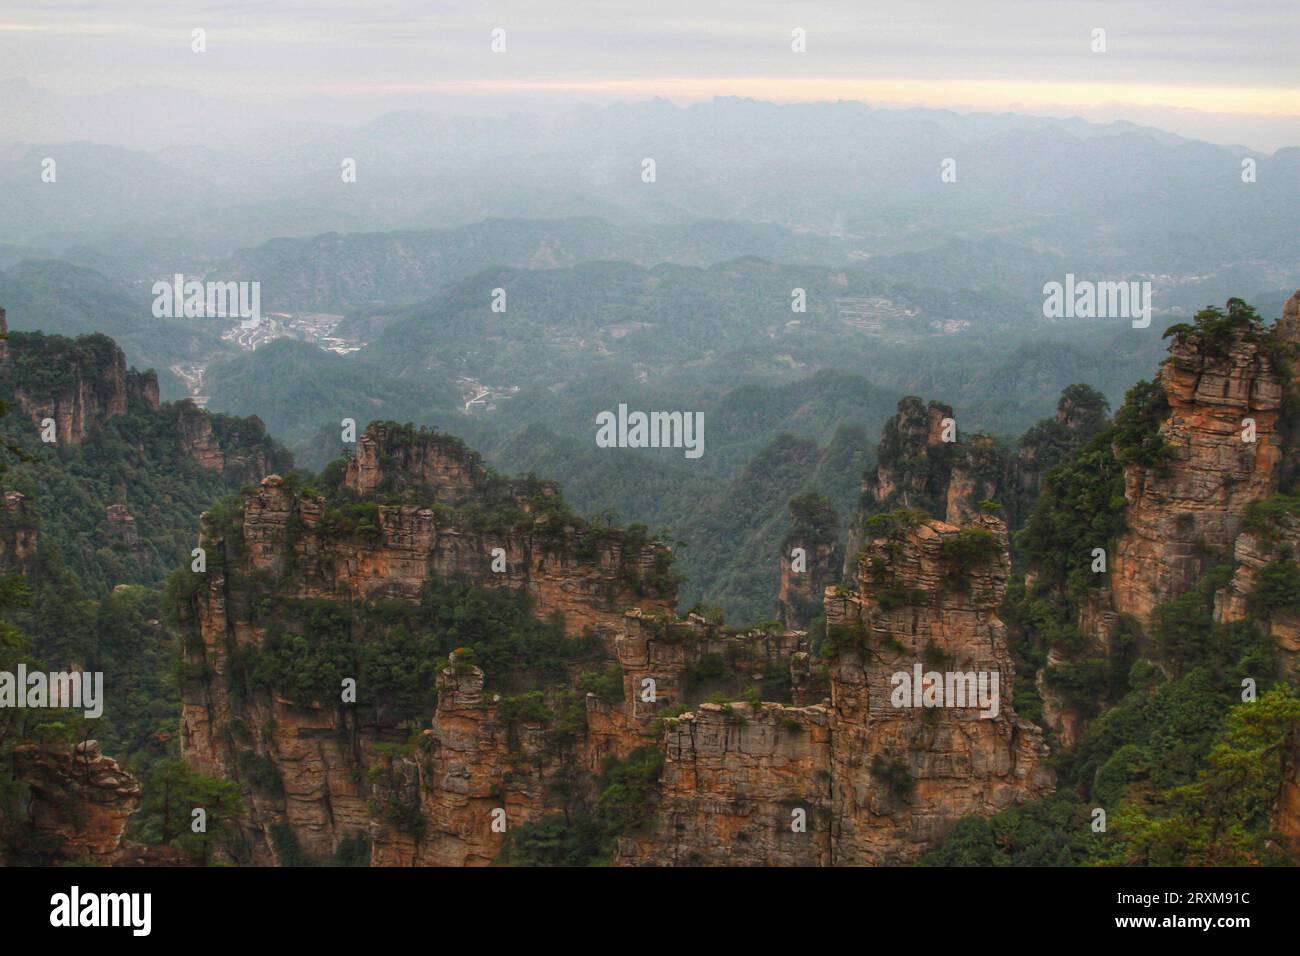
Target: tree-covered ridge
<point x="121" y="506"/>
<point x="47" y="366"/>
<point x="110" y="516"/>
<point x="489" y="503"/>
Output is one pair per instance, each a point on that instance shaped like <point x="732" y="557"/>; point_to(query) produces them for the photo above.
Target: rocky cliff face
<point x="342" y="775"/>
<point x="859" y="779"/>
<point x="479" y="774"/>
<point x="913" y="461"/>
<point x="238" y="449"/>
<point x="743" y="785"/>
<point x="19" y="533"/>
<point x="902" y="776"/>
<point x="90" y="385"/>
<point x="407" y="546"/>
<point x="1255" y="553"/>
<point x="834" y="775"/>
<point x="81" y="801"/>
<point x="1200" y="448"/>
<point x="84" y="383"/>
<point x="1185" y="513"/>
<point x="799" y="600"/>
<point x="92" y="389"/>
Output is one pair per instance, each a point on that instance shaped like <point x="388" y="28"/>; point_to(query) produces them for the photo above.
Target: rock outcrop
<point x="743" y="785"/>
<point x="238" y="449"/>
<point x="1224" y="451"/>
<point x="121" y="525"/>
<point x="81" y="800"/>
<point x="340" y="774"/>
<point x="479" y="774"/>
<point x="404" y="547"/>
<point x="84" y="383"/>
<point x="19" y="532"/>
<point x="798" y="782"/>
<point x="923" y="462"/>
<point x="388" y="459"/>
<point x="1255" y="551"/>
<point x="90" y="389"/>
<point x="901" y="776"/>
<point x="1198" y="449"/>
<point x="858" y="780"/>
<point x="811" y="557"/>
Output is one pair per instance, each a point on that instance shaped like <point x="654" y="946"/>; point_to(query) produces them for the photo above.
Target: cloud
<point x="1212" y="57"/>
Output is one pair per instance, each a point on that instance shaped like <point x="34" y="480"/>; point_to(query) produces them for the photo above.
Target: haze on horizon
<point x="125" y="73"/>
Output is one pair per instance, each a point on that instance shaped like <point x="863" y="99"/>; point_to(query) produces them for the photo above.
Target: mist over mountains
<point x="918" y="239"/>
<point x="868" y="178"/>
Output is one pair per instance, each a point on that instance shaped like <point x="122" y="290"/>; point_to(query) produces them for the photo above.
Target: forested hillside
<point x="91" y="524"/>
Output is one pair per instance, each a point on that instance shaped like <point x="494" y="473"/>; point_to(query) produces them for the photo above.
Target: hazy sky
<point x="1225" y="71"/>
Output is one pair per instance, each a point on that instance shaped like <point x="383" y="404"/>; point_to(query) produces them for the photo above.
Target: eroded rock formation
<point x="19" y="533"/>
<point x="859" y="780"/>
<point x="924" y="462"/>
<point x="747" y="782"/>
<point x="902" y="777"/>
<point x="386" y="458"/>
<point x="811" y="557"/>
<point x="81" y="800"/>
<point x="1184" y="513"/>
<point x="339" y="774"/>
<point x="1255" y="552"/>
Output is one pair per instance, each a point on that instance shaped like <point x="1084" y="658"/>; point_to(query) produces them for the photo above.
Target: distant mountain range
<point x="1127" y="197"/>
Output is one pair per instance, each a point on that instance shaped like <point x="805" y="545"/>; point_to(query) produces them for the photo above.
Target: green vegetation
<point x="585" y="834"/>
<point x="1263" y="517"/>
<point x="1082" y="503"/>
<point x="1277" y="589"/>
<point x="812" y="520"/>
<point x="137" y="460"/>
<point x="607" y="683"/>
<point x="1214" y="332"/>
<point x="1136" y="435"/>
<point x="174" y="789"/>
<point x="971" y="548"/>
<point x="1184" y="769"/>
<point x="1224" y="816"/>
<point x="895" y="775"/>
<point x="395" y="649"/>
<point x="895" y="523"/>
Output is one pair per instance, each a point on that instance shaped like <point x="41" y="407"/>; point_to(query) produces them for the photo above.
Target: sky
<point x="1227" y="72"/>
